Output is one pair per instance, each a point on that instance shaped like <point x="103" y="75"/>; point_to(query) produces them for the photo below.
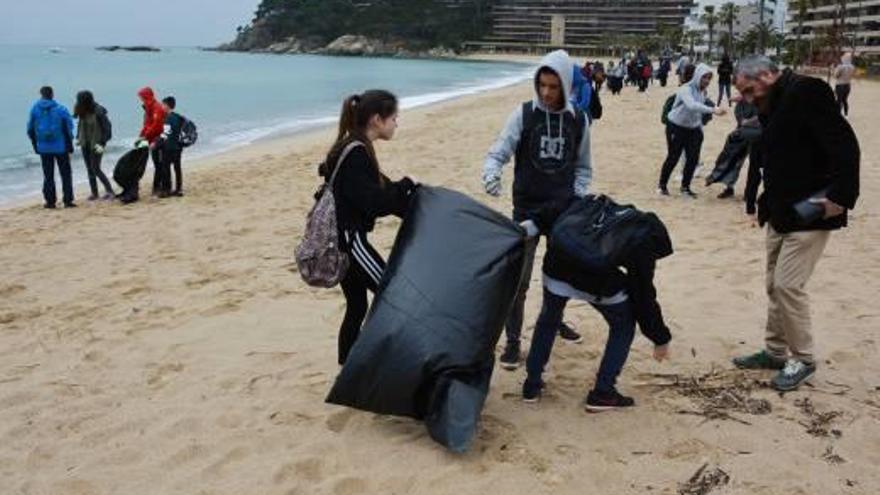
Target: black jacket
<point x="725" y="71"/>
<point x="171" y="133"/>
<point x="636" y="277"/>
<point x="362" y="197"/>
<point x="806" y="147"/>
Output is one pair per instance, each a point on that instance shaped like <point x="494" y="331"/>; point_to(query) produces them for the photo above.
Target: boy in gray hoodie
<point x="550" y="142"/>
<point x="684" y="130"/>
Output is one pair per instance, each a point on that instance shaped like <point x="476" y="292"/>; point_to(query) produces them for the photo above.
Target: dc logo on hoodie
<point x="552" y="148"/>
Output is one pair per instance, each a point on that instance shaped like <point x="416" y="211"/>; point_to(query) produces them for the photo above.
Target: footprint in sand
<point x="161" y="374"/>
<point x="687" y="450"/>
<point x="337" y="421"/>
<point x="310" y="470"/>
<point x="235" y="455"/>
<point x="350" y="486"/>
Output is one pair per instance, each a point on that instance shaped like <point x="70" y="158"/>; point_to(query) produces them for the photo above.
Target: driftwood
<point x="704" y="481"/>
<point x="719" y="393"/>
<point x="818" y="424"/>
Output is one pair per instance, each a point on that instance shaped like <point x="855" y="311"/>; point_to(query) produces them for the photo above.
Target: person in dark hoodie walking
<point x="172" y="149"/>
<point x="92" y="134"/>
<point x="623" y="298"/>
<point x="810" y="157"/>
<point x="363" y="194"/>
<point x="725" y="73"/>
<point x="550" y="142"/>
<point x="151" y="131"/>
<point x="684" y="130"/>
<point x="50" y="129"/>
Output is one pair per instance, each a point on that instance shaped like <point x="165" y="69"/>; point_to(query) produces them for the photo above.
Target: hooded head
<point x="699" y="72"/>
<point x="553" y="81"/>
<point x="146" y="94"/>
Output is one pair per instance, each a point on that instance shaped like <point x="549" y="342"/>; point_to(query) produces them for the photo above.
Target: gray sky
<point x="123" y="22"/>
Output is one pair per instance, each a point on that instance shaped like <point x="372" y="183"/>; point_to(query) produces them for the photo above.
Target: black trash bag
<point x="731" y="158"/>
<point x="426" y="350"/>
<point x="128" y="172"/>
<point x="600" y="235"/>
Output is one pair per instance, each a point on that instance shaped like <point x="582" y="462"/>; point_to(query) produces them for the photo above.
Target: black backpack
<point x="189" y="133"/>
<point x="600" y="235"/>
<point x="667" y="107"/>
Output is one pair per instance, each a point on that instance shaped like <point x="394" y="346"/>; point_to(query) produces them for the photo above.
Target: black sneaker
<point x="688" y="193"/>
<point x="726" y="193"/>
<point x="49" y="206"/>
<point x="70" y="205"/>
<point x="662" y="191"/>
<point x="531" y="391"/>
<point x="761" y="360"/>
<point x="569" y="335"/>
<point x="605" y="401"/>
<point x="510" y="358"/>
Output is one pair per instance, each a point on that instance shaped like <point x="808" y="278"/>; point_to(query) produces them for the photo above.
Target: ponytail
<point x="354" y="117"/>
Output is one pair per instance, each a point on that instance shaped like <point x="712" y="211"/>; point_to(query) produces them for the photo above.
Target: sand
<point x="166" y="347"/>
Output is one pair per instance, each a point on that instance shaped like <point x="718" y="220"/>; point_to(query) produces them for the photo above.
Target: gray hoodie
<point x="689" y="106"/>
<point x="506" y="145"/>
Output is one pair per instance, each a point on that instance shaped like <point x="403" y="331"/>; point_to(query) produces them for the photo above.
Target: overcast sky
<point x="122" y="22"/>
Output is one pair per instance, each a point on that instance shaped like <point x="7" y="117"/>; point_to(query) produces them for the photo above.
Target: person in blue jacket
<point x="50" y="129"/>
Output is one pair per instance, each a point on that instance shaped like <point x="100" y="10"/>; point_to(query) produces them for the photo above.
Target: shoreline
<point x="277" y="138"/>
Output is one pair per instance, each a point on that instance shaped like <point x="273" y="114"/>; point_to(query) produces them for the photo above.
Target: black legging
<point x="842" y="91"/>
<point x="93" y="168"/>
<point x="681" y="139"/>
<point x="364" y="273"/>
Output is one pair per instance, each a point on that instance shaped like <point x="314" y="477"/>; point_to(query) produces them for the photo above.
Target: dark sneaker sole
<point x="794" y="386"/>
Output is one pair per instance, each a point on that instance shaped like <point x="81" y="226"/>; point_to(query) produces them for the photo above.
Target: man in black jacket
<point x="810" y="157"/>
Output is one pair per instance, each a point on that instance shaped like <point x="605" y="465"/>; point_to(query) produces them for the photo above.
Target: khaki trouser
<point x="791" y="259"/>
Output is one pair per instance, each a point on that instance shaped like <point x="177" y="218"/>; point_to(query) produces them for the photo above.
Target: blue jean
<point x="622" y="324"/>
<point x="48" y="160"/>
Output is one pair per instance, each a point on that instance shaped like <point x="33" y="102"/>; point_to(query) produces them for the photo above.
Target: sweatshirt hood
<point x="147" y="93"/>
<point x="699" y="72"/>
<point x="560" y="63"/>
<point x="46" y="104"/>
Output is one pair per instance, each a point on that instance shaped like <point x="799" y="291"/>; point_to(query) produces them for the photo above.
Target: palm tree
<point x="710" y="18"/>
<point x="692" y="37"/>
<point x="727" y="15"/>
<point x="801" y="7"/>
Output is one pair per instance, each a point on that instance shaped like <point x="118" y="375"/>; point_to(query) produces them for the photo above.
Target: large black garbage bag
<point x="731" y="158"/>
<point x="426" y="350"/>
<point x="128" y="172"/>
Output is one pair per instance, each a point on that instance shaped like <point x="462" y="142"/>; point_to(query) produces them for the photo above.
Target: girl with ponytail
<point x="363" y="194"/>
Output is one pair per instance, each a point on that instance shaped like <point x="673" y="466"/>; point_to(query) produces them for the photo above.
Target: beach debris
<point x="831" y="458"/>
<point x="704" y="481"/>
<point x="819" y="423"/>
<point x="719" y="393"/>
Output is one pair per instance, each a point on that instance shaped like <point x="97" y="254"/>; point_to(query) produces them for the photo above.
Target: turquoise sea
<point x="234" y="98"/>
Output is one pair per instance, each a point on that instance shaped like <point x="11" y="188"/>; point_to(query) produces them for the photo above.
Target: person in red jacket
<point x="154" y="122"/>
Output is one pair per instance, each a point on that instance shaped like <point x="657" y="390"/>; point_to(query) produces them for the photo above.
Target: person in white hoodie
<point x="684" y="129"/>
<point x="550" y="142"/>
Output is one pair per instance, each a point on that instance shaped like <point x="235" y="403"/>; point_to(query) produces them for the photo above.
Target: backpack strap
<point x="342" y="156"/>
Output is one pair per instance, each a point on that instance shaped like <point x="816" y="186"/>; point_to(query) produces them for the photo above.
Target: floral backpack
<point x="319" y="258"/>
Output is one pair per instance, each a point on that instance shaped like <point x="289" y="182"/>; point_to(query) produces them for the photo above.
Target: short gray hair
<point x="752" y="66"/>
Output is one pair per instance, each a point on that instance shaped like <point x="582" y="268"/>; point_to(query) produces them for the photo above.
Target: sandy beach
<point x="167" y="347"/>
